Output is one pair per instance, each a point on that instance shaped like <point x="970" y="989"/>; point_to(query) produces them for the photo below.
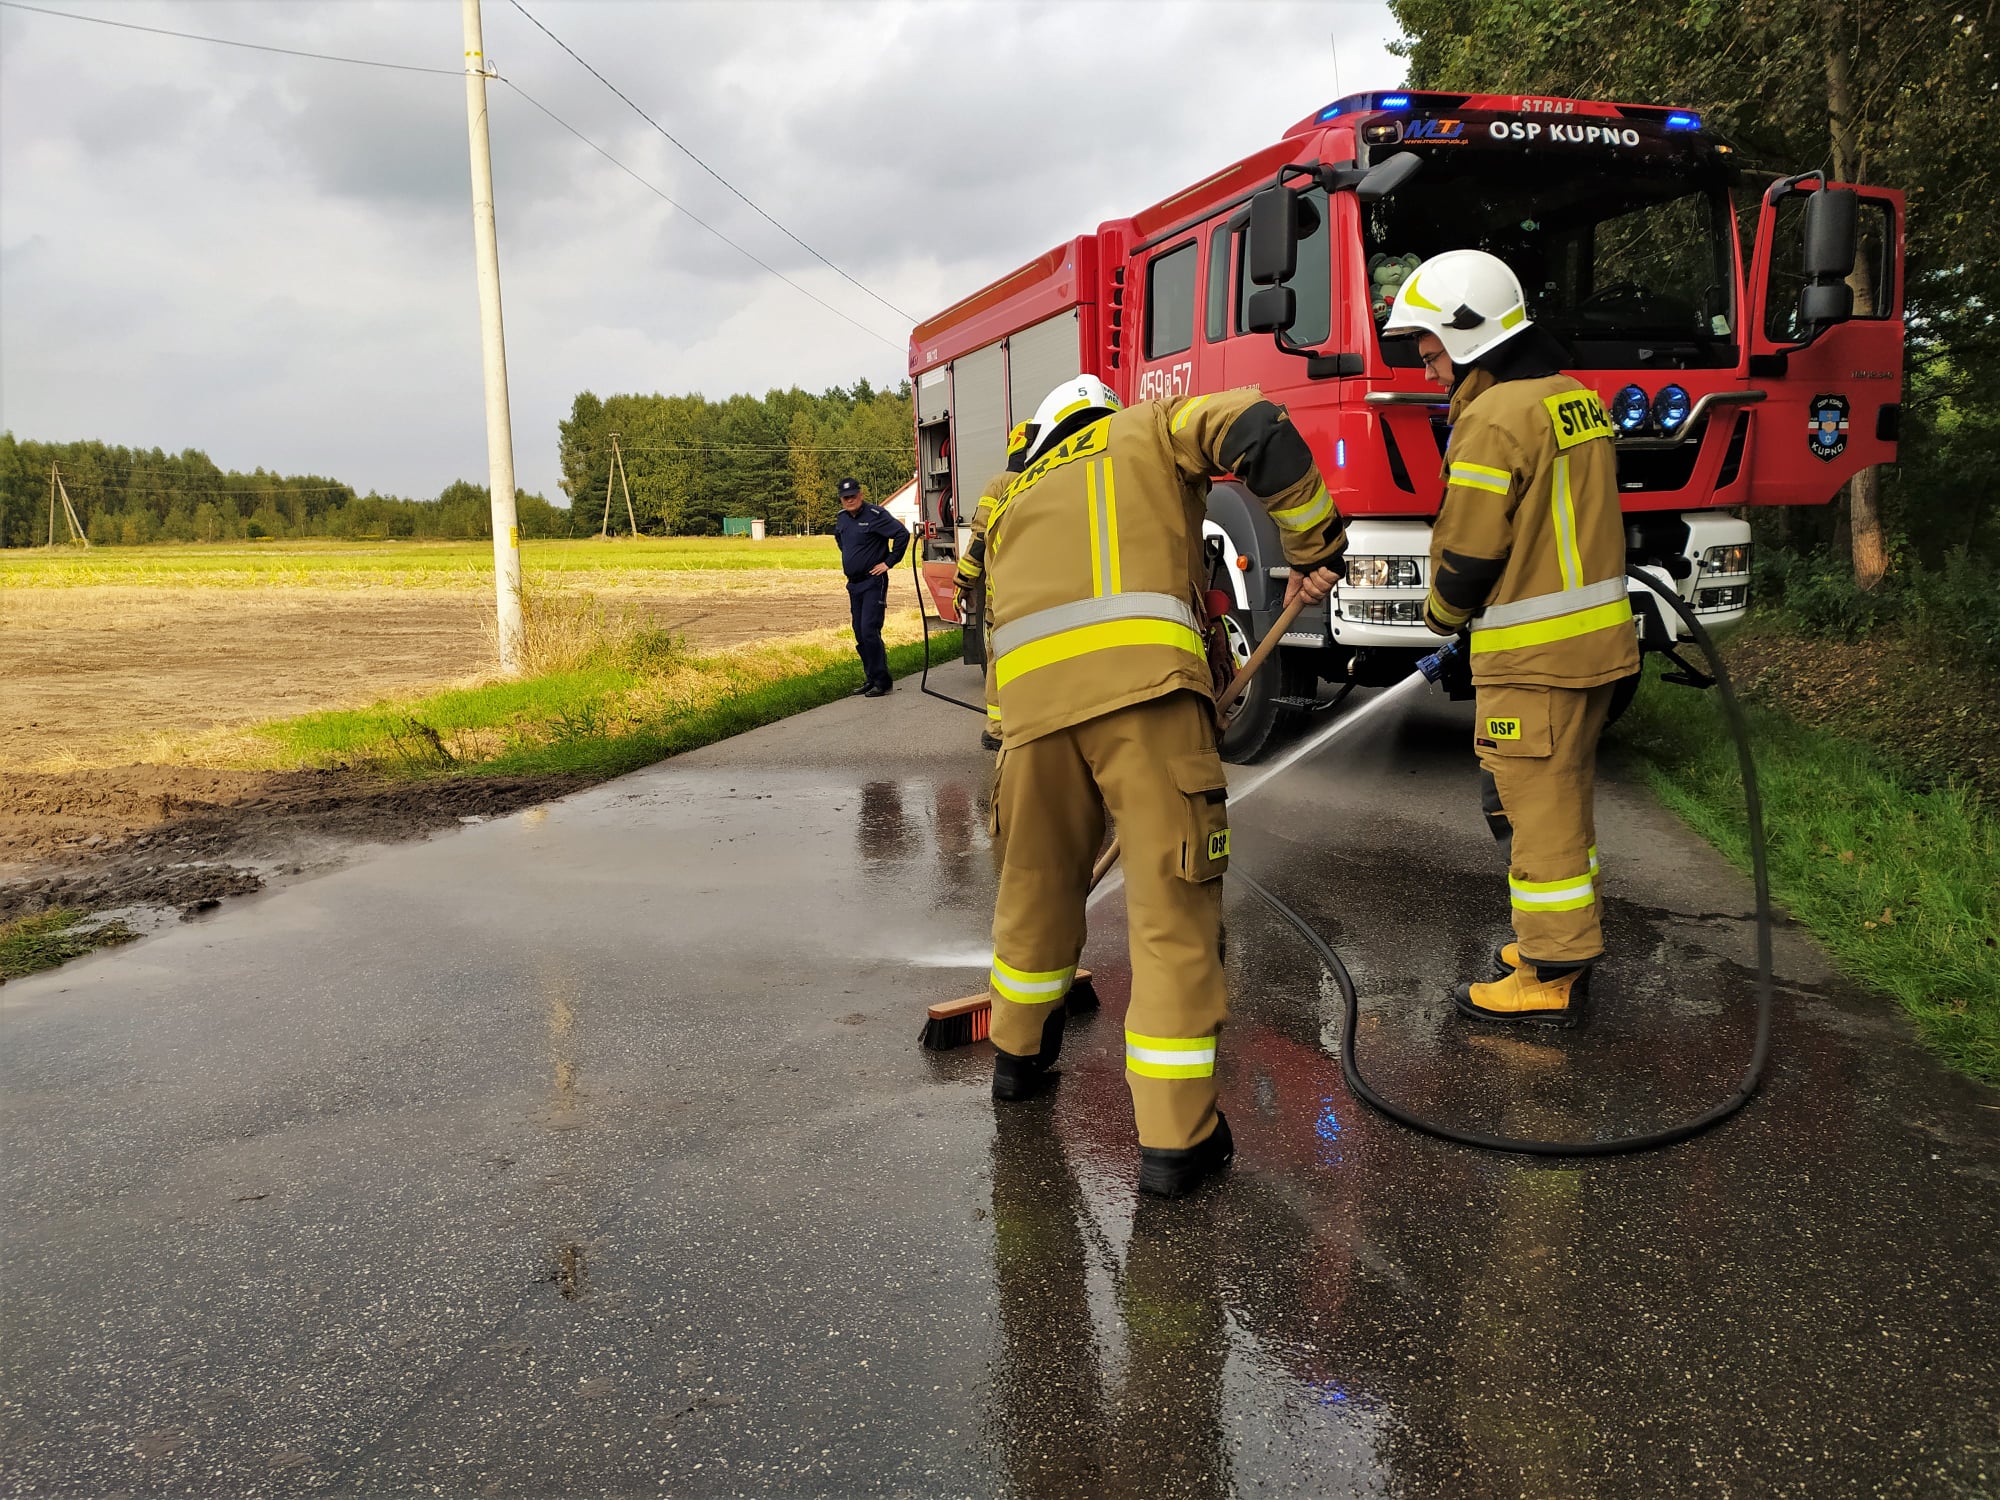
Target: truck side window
<point x="1218" y="283"/>
<point x="1311" y="283"/>
<point x="1874" y="266"/>
<point x="1170" y="301"/>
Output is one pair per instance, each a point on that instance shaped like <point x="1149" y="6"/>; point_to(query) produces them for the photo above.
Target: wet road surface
<point x="589" y="1151"/>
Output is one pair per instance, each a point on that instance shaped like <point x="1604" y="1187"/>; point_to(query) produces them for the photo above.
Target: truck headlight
<point x="1731" y="559"/>
<point x="1384" y="572"/>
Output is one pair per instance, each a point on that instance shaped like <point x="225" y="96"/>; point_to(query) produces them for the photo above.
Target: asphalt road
<point x="589" y="1151"/>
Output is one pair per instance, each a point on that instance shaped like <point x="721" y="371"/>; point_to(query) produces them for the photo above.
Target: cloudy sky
<point x="270" y="257"/>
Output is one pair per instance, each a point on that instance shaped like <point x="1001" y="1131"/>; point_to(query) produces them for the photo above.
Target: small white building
<point x="903" y="505"/>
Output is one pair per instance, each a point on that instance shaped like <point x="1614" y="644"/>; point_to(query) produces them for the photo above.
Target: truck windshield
<point x="1628" y="259"/>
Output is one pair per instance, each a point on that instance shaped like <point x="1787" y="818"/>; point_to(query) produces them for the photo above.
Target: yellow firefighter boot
<point x="1532" y="994"/>
<point x="1506" y="959"/>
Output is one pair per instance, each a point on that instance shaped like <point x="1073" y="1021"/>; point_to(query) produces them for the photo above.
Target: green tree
<point x="1902" y="95"/>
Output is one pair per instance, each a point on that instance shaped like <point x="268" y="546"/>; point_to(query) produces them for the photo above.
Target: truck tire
<point x="1257" y="710"/>
<point x="1623" y="691"/>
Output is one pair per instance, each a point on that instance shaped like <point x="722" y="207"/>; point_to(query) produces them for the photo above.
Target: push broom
<point x="954" y="1023"/>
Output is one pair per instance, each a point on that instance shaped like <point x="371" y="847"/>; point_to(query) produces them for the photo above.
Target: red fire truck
<point x="1744" y="329"/>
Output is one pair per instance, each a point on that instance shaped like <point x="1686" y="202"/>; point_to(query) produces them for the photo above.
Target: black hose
<point x="924" y="681"/>
<point x="1350" y="1068"/>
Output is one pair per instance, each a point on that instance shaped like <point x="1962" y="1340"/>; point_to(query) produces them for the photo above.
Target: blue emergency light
<point x="1680" y="120"/>
<point x="1671" y="408"/>
<point x="1393" y="101"/>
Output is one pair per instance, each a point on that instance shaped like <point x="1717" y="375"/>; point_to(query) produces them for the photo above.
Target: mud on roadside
<point x="182" y="839"/>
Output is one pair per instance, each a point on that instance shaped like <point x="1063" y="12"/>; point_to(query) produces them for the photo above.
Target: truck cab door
<point x="1834" y="403"/>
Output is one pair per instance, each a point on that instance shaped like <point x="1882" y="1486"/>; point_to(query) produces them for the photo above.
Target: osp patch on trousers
<point x="1539" y="747"/>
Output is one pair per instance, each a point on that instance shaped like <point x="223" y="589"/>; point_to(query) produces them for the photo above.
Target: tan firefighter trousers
<point x="1153" y="766"/>
<point x="1538" y="748"/>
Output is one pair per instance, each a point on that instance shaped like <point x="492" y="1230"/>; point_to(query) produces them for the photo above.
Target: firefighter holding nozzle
<point x="1094" y="566"/>
<point x="1527" y="558"/>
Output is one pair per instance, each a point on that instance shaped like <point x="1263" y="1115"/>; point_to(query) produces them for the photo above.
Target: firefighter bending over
<point x="970" y="593"/>
<point x="1528" y="555"/>
<point x="1094" y="561"/>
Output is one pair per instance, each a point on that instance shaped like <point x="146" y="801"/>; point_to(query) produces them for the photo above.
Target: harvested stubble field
<point x="142" y="761"/>
<point x="113" y="655"/>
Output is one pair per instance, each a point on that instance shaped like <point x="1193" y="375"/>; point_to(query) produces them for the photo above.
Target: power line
<point x="679" y="146"/>
<point x="223" y="41"/>
<point x="690" y="214"/>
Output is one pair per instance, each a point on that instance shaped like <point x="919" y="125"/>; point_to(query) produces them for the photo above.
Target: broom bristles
<point x="959" y="1023"/>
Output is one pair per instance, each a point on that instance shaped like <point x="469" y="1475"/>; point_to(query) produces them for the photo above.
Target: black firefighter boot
<point x="1175" y="1174"/>
<point x="1016" y="1078"/>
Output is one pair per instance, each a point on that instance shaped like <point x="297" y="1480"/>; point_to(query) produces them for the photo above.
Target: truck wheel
<point x="1623" y="691"/>
<point x="1256" y="712"/>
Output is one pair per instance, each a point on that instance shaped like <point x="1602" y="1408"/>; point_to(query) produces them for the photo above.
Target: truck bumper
<point x="1382" y="615"/>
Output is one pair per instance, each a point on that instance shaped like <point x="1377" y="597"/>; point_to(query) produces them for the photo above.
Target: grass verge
<point x="30" y="944"/>
<point x="637" y="700"/>
<point x="1900" y="885"/>
<point x="406" y="564"/>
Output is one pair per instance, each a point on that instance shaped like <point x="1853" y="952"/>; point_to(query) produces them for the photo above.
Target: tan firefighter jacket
<point x="972" y="561"/>
<point x="1094" y="553"/>
<point x="1529" y="547"/>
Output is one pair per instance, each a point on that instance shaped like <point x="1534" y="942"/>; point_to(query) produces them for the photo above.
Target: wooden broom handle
<point x="1222" y="706"/>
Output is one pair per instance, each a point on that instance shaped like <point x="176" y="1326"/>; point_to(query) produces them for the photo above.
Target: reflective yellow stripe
<point x="1170" y="1056"/>
<point x="1416" y="298"/>
<point x="1571" y="894"/>
<point x="1305" y="517"/>
<point x="1111" y="527"/>
<point x="1565" y="519"/>
<point x="1088" y="638"/>
<point x="1561" y="628"/>
<point x="1181" y="417"/>
<point x="1482" y="477"/>
<point x="1096" y="532"/>
<point x="1593" y="861"/>
<point x="1030" y="987"/>
<point x="993" y="712"/>
<point x="1437" y="609"/>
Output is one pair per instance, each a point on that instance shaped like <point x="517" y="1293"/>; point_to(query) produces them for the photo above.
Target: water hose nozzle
<point x="1439" y="661"/>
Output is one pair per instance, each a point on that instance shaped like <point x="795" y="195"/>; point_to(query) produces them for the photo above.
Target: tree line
<point x="691" y="462"/>
<point x="131" y="496"/>
<point x="1900" y="95"/>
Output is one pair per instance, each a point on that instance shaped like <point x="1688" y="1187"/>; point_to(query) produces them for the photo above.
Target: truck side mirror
<point x="1272" y="309"/>
<point x="1830" y="233"/>
<point x="1829" y="249"/>
<point x="1272" y="252"/>
<point x="1386" y="176"/>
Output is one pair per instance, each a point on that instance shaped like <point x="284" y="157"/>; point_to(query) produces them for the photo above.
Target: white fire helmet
<point x="1082" y="393"/>
<point x="1469" y="299"/>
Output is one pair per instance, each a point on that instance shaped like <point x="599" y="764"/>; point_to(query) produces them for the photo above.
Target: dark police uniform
<point x="870" y="536"/>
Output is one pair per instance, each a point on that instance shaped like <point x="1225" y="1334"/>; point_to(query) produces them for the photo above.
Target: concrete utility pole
<point x="493" y="345"/>
<point x="617" y="471"/>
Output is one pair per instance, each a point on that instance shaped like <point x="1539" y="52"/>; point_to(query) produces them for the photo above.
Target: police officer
<point x="1528" y="555"/>
<point x="969" y="580"/>
<point x="1094" y="560"/>
<point x="871" y="543"/>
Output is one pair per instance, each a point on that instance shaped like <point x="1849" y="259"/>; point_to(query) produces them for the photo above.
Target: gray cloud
<point x="270" y="257"/>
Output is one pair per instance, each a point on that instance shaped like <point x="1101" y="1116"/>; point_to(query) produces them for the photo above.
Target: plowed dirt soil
<point x="96" y="680"/>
